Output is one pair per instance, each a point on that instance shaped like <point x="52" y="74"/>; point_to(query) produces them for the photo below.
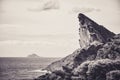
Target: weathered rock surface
<point x="96" y="70"/>
<point x="111" y="49"/>
<point x="63" y="62"/>
<point x="97" y="59"/>
<point x="113" y="75"/>
<point x="90" y="32"/>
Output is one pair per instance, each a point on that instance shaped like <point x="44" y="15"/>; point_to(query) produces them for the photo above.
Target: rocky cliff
<point x="98" y="57"/>
<point x="92" y="36"/>
<point x="90" y="32"/>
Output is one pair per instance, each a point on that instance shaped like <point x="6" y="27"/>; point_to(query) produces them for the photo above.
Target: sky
<point x="49" y="28"/>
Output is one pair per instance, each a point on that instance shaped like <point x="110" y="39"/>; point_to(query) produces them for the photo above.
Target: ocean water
<point x="23" y="68"/>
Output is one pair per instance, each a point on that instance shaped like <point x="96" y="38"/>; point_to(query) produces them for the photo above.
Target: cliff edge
<point x="92" y="35"/>
<point x="98" y="57"/>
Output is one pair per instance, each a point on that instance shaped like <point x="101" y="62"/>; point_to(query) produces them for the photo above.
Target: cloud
<point x="46" y="5"/>
<point x="83" y="10"/>
<point x="33" y="42"/>
<point x="10" y="25"/>
<point x="25" y="42"/>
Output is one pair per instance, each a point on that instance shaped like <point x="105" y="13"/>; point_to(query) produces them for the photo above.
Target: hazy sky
<point x="49" y="28"/>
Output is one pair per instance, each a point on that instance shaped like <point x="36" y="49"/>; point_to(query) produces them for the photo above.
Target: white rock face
<point x="90" y="32"/>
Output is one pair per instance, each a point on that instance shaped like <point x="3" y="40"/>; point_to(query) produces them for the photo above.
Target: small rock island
<point x="33" y="56"/>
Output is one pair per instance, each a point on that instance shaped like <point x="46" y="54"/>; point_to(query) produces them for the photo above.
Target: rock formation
<point x="92" y="36"/>
<point x="33" y="56"/>
<point x="90" y="32"/>
<point x="98" y="57"/>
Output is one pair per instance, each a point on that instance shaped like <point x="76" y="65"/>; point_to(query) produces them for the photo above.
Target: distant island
<point x="33" y="56"/>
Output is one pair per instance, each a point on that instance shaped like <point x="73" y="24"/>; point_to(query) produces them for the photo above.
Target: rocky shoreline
<point x="98" y="57"/>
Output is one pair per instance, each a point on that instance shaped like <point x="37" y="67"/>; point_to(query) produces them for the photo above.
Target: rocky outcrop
<point x="76" y="58"/>
<point x="63" y="62"/>
<point x="96" y="70"/>
<point x="92" y="36"/>
<point x="113" y="75"/>
<point x="97" y="58"/>
<point x="90" y="32"/>
<point x="110" y="50"/>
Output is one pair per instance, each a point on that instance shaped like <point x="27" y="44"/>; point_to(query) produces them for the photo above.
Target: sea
<point x="22" y="68"/>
